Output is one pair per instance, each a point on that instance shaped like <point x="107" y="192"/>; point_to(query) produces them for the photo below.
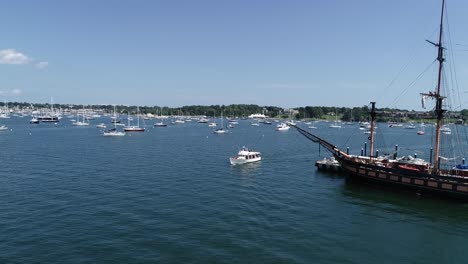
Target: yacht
<point x="49" y="119"/>
<point x="245" y="156"/>
<point x="282" y="127"/>
<point x="134" y="129"/>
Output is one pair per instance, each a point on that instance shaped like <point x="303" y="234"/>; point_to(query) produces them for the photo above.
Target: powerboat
<point x="220" y="131"/>
<point x="134" y="129"/>
<point x="113" y="133"/>
<point x="282" y="127"/>
<point x="245" y="156"/>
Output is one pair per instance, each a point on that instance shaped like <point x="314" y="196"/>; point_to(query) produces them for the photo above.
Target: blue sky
<point x="174" y="53"/>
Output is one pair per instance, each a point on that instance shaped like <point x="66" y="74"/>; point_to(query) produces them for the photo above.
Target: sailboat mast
<point x="439" y="111"/>
<point x="138" y="116"/>
<point x="372" y="129"/>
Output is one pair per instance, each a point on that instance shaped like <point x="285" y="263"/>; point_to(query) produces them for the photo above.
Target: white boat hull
<point x="134" y="129"/>
<point x="113" y="134"/>
<point x="239" y="161"/>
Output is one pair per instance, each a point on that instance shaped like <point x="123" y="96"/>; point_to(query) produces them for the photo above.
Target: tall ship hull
<point x="399" y="173"/>
<point x="407" y="178"/>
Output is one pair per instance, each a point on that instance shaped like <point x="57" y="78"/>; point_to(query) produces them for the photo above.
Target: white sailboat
<point x="313" y="126"/>
<point x="136" y="128"/>
<point x="421" y="130"/>
<point x="160" y="123"/>
<point x="335" y="125"/>
<point x="221" y="130"/>
<point x="78" y="122"/>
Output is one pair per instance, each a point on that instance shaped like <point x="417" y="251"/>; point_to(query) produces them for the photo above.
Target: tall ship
<point x="416" y="174"/>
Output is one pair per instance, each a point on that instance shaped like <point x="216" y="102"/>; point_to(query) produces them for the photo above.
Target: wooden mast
<point x="439" y="110"/>
<point x="439" y="99"/>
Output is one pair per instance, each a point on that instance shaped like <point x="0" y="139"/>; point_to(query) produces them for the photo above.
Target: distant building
<point x="257" y="116"/>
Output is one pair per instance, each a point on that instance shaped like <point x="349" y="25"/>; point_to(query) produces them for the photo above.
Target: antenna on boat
<point x="436" y="95"/>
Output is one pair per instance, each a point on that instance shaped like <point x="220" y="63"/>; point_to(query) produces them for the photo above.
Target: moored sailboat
<point x="221" y="130"/>
<point x="136" y="128"/>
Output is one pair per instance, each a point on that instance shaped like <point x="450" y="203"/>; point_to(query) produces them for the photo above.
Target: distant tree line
<point x="239" y="110"/>
<point x="344" y="113"/>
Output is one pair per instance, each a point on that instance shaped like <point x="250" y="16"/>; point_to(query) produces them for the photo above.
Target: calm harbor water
<point x="169" y="195"/>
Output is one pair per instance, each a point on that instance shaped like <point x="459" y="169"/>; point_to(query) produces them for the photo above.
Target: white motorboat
<point x="282" y="127"/>
<point x="102" y="125"/>
<point x="212" y="125"/>
<point x="245" y="156"/>
<point x="446" y="130"/>
<point x="134" y="129"/>
<point x="79" y="123"/>
<point x="160" y="124"/>
<point x="220" y="131"/>
<point x="34" y="121"/>
<point x="2" y="127"/>
<point x="113" y="133"/>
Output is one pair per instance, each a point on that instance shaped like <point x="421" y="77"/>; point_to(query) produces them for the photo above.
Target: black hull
<point x="400" y="179"/>
<point x="48" y="119"/>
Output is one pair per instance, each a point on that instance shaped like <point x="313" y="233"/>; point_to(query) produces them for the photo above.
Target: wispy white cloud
<point x="11" y="92"/>
<point x="11" y="56"/>
<point x="42" y="64"/>
<point x="16" y="91"/>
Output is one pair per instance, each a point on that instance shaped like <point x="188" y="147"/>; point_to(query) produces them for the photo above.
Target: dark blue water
<point x="169" y="195"/>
